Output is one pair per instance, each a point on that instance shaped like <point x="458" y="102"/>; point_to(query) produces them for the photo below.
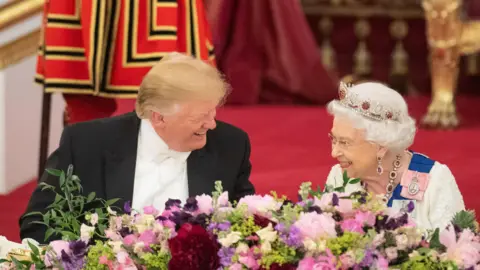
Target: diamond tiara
<point x="376" y="111"/>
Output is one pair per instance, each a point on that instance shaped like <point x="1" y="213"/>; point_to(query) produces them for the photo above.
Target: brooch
<point x="414" y="184"/>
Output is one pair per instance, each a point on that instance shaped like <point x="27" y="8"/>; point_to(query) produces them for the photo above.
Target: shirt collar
<point x="152" y="147"/>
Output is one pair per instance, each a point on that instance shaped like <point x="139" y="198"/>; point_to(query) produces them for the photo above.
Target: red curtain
<point x="268" y="53"/>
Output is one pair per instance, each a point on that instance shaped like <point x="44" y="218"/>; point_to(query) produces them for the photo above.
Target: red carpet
<point x="290" y="145"/>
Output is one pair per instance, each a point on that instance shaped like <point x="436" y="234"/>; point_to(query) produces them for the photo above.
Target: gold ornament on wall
<point x="471" y="64"/>
<point x="326" y="50"/>
<point x="399" y="30"/>
<point x="362" y="57"/>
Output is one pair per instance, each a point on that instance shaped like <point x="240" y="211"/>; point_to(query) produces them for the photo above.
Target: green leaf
<point x="110" y="202"/>
<point x="49" y="233"/>
<point x="435" y="241"/>
<point x="345" y="178"/>
<point x="54" y="172"/>
<point x="69" y="235"/>
<point x="62" y="179"/>
<point x="354" y="181"/>
<point x="90" y="197"/>
<point x="33" y="248"/>
<point x="33" y="213"/>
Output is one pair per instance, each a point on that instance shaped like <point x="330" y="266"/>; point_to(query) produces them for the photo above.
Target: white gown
<point x="441" y="201"/>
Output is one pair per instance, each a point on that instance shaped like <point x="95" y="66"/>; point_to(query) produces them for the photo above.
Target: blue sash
<point x="419" y="163"/>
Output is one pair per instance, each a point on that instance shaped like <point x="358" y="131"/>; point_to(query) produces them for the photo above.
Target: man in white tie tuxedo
<point x="170" y="147"/>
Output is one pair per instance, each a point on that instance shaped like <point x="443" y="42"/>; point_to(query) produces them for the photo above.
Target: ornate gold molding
<point x="405" y="9"/>
<point x="17" y="11"/>
<point x="15" y="51"/>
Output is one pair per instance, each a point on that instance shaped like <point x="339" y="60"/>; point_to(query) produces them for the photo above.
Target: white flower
<point x="391" y="253"/>
<point x="145" y="222"/>
<point x="94" y="219"/>
<point x="230" y="239"/>
<point x="266" y="247"/>
<point x="242" y="248"/>
<point x="402" y="241"/>
<point x="267" y="234"/>
<point x="86" y="232"/>
<point x="116" y="246"/>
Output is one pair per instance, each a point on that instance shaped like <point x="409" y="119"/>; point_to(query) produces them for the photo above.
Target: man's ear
<point x="157" y="119"/>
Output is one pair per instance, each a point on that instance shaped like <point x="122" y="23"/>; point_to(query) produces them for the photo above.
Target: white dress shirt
<point x="442" y="199"/>
<point x="160" y="173"/>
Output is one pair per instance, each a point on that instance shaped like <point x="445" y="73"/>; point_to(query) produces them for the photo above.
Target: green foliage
<point x="341" y="189"/>
<point x="156" y="261"/>
<point x="342" y="243"/>
<point x="70" y="208"/>
<point x="280" y="254"/>
<point x="426" y="259"/>
<point x="466" y="220"/>
<point x="435" y="241"/>
<point x="95" y="252"/>
<point x="246" y="227"/>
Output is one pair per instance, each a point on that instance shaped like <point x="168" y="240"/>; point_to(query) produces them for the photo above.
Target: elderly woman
<point x="371" y="133"/>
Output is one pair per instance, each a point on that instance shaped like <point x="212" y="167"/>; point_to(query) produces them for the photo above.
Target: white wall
<point x="20" y="123"/>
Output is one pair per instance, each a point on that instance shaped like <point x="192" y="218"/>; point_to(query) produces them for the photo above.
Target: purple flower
<point x="191" y="205"/>
<point x="127" y="208"/>
<point x="180" y="218"/>
<point x="335" y="199"/>
<point x="172" y="203"/>
<point x="223" y="226"/>
<point x="78" y="248"/>
<point x="225" y="255"/>
<point x="367" y="259"/>
<point x="290" y="237"/>
<point x="71" y="262"/>
<point x="410" y="207"/>
<point x="124" y="231"/>
<point x="294" y="238"/>
<point x="314" y="208"/>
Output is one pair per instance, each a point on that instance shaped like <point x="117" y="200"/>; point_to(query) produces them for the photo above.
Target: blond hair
<point x="178" y="78"/>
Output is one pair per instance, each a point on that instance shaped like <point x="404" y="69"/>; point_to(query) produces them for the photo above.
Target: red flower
<point x="262" y="221"/>
<point x="193" y="248"/>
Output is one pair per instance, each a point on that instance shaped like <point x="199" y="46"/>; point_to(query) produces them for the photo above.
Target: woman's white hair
<point x="395" y="133"/>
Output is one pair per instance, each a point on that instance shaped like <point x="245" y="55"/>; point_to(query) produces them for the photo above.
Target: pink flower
<point x="60" y="245"/>
<point x="205" y="204"/>
<point x="150" y="210"/>
<point x="345" y="206"/>
<point x="366" y="218"/>
<point x="103" y="260"/>
<point x="313" y="225"/>
<point x="464" y="251"/>
<point x="125" y="261"/>
<point x="129" y="240"/>
<point x="260" y="205"/>
<point x="236" y="266"/>
<point x="306" y="263"/>
<point x="347" y="260"/>
<point x="148" y="238"/>
<point x="352" y="225"/>
<point x="249" y="261"/>
<point x="223" y="199"/>
<point x="112" y="235"/>
<point x="327" y="262"/>
<point x="381" y="263"/>
<point x="391" y="253"/>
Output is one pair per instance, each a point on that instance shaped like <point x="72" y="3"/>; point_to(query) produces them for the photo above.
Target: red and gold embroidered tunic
<point x="105" y="47"/>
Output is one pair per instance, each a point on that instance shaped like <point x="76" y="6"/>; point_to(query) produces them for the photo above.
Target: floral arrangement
<point x="323" y="230"/>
